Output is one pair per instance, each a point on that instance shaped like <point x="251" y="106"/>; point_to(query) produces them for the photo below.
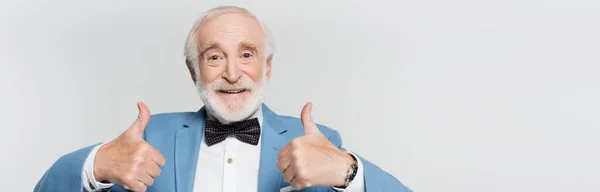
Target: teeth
<point x="233" y="91"/>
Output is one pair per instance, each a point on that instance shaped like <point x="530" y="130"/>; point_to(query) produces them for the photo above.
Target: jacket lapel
<point x="187" y="143"/>
<point x="269" y="178"/>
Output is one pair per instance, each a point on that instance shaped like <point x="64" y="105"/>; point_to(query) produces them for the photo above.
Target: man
<point x="233" y="143"/>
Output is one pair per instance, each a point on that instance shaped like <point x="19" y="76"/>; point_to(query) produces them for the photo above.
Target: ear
<point x="191" y="69"/>
<point x="269" y="67"/>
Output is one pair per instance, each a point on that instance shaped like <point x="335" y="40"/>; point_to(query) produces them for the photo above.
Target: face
<point x="233" y="70"/>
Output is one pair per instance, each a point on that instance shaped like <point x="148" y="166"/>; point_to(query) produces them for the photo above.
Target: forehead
<point x="230" y="28"/>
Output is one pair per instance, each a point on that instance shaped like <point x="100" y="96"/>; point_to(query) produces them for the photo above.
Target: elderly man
<point x="233" y="143"/>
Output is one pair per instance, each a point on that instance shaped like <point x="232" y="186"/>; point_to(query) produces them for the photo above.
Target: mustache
<point x="242" y="83"/>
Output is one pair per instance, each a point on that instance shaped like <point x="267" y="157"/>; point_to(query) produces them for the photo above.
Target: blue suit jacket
<point x="178" y="135"/>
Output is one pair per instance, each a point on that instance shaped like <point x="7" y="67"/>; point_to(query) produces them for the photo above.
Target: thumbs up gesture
<point x="311" y="160"/>
<point x="128" y="160"/>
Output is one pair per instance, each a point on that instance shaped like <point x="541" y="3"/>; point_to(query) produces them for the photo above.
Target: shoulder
<point x="170" y="117"/>
<point x="170" y="121"/>
<point x="296" y="129"/>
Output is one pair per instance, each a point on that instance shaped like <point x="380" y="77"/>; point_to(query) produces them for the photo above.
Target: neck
<point x="210" y="115"/>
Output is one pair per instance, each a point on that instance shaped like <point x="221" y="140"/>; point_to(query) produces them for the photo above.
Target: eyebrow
<point x="248" y="45"/>
<point x="214" y="45"/>
<point x="208" y="45"/>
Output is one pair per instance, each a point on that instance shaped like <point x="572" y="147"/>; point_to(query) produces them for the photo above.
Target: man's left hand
<point x="311" y="160"/>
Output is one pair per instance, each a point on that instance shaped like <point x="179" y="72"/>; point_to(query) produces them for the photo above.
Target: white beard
<point x="228" y="111"/>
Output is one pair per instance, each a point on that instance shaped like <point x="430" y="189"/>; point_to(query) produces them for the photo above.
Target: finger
<point x="284" y="151"/>
<point x="289" y="174"/>
<point x="284" y="163"/>
<point x="152" y="169"/>
<point x="158" y="158"/>
<point x="297" y="184"/>
<point x="309" y="125"/>
<point x="142" y="120"/>
<point x="146" y="179"/>
<point x="136" y="186"/>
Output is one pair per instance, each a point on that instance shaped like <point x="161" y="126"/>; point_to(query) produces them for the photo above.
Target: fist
<point x="128" y="160"/>
<point x="311" y="160"/>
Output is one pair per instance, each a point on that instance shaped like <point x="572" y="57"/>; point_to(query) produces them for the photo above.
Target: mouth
<point x="232" y="91"/>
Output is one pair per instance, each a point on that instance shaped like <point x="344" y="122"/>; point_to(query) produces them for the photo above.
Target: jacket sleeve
<point x="375" y="179"/>
<point x="65" y="173"/>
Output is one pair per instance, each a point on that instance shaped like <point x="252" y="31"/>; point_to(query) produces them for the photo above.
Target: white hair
<point x="191" y="50"/>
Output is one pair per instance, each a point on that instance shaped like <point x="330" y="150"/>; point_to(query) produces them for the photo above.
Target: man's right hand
<point x="128" y="160"/>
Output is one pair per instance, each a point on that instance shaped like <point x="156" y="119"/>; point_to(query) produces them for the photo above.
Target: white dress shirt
<point x="227" y="166"/>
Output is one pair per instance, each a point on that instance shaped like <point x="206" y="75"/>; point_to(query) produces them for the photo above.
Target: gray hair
<point x="191" y="50"/>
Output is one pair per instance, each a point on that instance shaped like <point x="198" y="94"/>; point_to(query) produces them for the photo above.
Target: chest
<point x="229" y="166"/>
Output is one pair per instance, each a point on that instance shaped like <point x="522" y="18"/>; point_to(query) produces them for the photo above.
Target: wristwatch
<point x="351" y="173"/>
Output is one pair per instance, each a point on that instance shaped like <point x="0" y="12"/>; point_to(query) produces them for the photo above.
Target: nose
<point x="232" y="71"/>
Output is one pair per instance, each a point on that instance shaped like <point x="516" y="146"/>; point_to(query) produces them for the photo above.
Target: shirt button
<point x="229" y="160"/>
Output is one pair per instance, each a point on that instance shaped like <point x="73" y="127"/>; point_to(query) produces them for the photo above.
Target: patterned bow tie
<point x="247" y="131"/>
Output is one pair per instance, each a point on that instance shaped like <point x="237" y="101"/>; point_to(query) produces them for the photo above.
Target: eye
<point x="246" y="55"/>
<point x="214" y="57"/>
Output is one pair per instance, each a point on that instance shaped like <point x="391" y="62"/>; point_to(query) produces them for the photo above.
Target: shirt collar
<point x="257" y="114"/>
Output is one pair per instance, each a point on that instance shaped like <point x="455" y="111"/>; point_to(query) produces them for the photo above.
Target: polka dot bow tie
<point x="247" y="131"/>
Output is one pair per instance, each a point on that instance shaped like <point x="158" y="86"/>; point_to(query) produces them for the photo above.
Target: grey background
<point x="459" y="95"/>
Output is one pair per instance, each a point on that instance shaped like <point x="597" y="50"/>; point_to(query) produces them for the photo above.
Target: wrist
<point x="345" y="170"/>
<point x="99" y="173"/>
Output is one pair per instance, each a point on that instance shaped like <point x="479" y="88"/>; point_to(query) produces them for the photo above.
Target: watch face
<point x="354" y="169"/>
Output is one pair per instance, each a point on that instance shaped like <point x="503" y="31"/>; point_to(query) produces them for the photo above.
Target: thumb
<point x="310" y="128"/>
<point x="142" y="120"/>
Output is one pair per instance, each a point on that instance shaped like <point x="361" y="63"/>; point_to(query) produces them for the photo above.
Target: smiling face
<point x="233" y="70"/>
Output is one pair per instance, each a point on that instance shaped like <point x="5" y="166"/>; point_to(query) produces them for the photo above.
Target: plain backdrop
<point x="459" y="95"/>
